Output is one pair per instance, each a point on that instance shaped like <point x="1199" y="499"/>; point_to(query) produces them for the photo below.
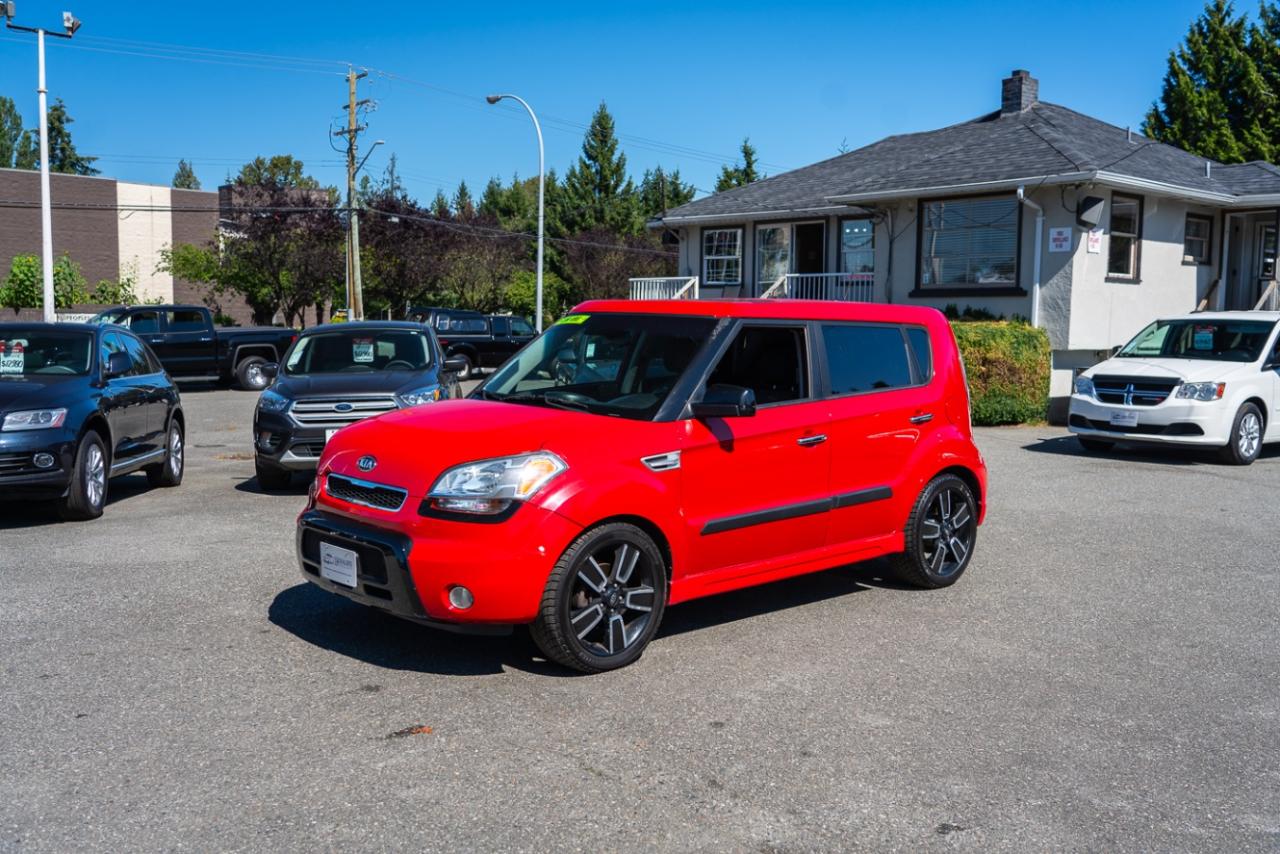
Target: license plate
<point x="328" y="434"/>
<point x="1124" y="418"/>
<point x="339" y="565"/>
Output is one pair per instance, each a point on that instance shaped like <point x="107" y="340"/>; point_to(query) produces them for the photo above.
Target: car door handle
<point x="922" y="418"/>
<point x="806" y="441"/>
<point x="205" y="340"/>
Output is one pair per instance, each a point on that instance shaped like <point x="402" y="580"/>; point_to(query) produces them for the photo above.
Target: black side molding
<point x="793" y="511"/>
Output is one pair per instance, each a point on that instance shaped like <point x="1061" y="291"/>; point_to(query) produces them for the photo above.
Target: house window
<point x="969" y="243"/>
<point x="1197" y="238"/>
<point x="773" y="254"/>
<point x="858" y="249"/>
<point x="1126" y="237"/>
<point x="722" y="256"/>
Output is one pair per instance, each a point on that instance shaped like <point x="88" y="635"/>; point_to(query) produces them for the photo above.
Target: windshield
<point x="44" y="352"/>
<point x="608" y="364"/>
<point x="1216" y="340"/>
<point x="358" y="351"/>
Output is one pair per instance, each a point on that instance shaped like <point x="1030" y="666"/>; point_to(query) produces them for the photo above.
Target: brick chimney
<point x="1018" y="92"/>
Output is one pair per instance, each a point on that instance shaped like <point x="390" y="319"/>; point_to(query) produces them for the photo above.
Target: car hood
<point x="1186" y="370"/>
<point x="380" y="382"/>
<point x="30" y="393"/>
<point x="413" y="447"/>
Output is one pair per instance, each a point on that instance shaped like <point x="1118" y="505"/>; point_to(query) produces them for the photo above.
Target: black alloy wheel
<point x="941" y="533"/>
<point x="603" y="601"/>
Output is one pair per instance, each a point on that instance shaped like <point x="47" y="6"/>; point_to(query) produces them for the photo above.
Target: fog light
<point x="461" y="598"/>
<point x="43" y="461"/>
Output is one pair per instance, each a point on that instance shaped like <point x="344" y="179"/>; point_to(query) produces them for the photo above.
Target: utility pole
<point x="355" y="293"/>
<point x="70" y="24"/>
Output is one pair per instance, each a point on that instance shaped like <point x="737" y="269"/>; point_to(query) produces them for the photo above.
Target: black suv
<point x="81" y="404"/>
<point x="335" y="375"/>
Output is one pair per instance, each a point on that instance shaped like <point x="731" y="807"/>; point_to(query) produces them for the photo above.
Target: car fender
<point x="944" y="448"/>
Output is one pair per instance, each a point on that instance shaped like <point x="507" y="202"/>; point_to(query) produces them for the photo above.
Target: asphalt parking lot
<point x="1105" y="677"/>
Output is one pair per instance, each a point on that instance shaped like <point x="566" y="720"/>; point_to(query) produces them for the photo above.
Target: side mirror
<point x="455" y="364"/>
<point x="118" y="364"/>
<point x="726" y="401"/>
<point x="270" y="370"/>
<point x="567" y="355"/>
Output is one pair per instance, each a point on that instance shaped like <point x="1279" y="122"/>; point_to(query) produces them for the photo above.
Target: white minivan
<point x="1208" y="379"/>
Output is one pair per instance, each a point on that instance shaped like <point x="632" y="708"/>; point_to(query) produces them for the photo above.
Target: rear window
<point x="461" y="324"/>
<point x="862" y="358"/>
<point x="186" y="320"/>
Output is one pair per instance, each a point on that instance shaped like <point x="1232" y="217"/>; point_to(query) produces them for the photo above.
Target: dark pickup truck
<point x="191" y="347"/>
<point x="482" y="341"/>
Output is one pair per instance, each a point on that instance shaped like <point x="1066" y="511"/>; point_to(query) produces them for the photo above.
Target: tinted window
<point x="499" y="325"/>
<point x="144" y="322"/>
<point x="112" y="343"/>
<point x="186" y="320"/>
<point x="463" y="325"/>
<point x="918" y="339"/>
<point x="137" y="355"/>
<point x="767" y="359"/>
<point x="865" y="358"/>
<point x="519" y="327"/>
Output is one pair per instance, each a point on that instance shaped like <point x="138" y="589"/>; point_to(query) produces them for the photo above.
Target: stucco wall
<point x="145" y="227"/>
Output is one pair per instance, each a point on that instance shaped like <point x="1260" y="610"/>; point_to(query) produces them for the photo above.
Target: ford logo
<point x="367" y="463"/>
<point x="342" y="407"/>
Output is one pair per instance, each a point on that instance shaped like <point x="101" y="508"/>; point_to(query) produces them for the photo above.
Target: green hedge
<point x="1008" y="368"/>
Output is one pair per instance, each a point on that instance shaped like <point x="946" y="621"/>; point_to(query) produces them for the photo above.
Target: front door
<point x="756" y="487"/>
<point x="126" y="404"/>
<point x="1264" y="262"/>
<point x="810" y="249"/>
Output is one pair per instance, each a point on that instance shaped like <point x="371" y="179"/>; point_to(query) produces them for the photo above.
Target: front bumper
<point x="408" y="563"/>
<point x="21" y="478"/>
<point x="277" y="440"/>
<point x="1173" y="422"/>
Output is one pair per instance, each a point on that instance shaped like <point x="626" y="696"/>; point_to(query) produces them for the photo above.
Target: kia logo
<point x="342" y="407"/>
<point x="367" y="463"/>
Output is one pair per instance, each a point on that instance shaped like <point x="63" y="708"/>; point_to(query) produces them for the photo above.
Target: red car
<point x="640" y="454"/>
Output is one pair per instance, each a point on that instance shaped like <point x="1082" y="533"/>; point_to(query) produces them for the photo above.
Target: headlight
<point x="271" y="401"/>
<point x="487" y="487"/>
<point x="430" y="394"/>
<point x="1084" y="386"/>
<point x="1202" y="391"/>
<point x="34" y="419"/>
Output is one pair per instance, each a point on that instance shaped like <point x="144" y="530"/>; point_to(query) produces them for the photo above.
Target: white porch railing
<point x="841" y="287"/>
<point x="665" y="287"/>
<point x="1270" y="298"/>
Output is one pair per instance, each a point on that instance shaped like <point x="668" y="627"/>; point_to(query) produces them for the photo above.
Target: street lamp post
<point x="493" y="99"/>
<point x="70" y="23"/>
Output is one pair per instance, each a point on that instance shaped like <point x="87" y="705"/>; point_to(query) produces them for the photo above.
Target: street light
<point x="493" y="99"/>
<point x="70" y="23"/>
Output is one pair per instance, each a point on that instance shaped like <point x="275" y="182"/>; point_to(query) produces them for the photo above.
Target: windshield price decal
<point x="572" y="319"/>
<point x="362" y="350"/>
<point x="13" y="356"/>
<point x="1203" y="338"/>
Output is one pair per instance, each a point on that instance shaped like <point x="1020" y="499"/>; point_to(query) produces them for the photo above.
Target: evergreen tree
<point x="10" y="132"/>
<point x="28" y="154"/>
<point x="740" y="174"/>
<point x="440" y="206"/>
<point x="63" y="156"/>
<point x="282" y="170"/>
<point x="660" y="192"/>
<point x="463" y="206"/>
<point x="1264" y="47"/>
<point x="185" y="178"/>
<point x="597" y="192"/>
<point x="1215" y="99"/>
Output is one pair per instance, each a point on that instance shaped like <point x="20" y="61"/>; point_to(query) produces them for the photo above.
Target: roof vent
<point x="1018" y="92"/>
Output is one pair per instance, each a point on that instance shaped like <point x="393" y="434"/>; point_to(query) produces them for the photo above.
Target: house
<point x="1086" y="229"/>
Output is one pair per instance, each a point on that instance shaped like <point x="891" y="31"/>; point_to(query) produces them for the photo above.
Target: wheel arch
<point x="1262" y="407"/>
<point x="651" y="528"/>
<point x="97" y="422"/>
<point x="971" y="480"/>
<point x="245" y="351"/>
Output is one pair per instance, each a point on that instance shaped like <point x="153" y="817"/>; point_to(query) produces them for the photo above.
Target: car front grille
<point x="1133" y="391"/>
<point x="363" y="492"/>
<point x="1182" y="428"/>
<point x="16" y="464"/>
<point x="333" y="412"/>
<point x="307" y="449"/>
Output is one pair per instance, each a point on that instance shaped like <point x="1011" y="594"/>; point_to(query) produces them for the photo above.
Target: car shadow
<point x="1067" y="446"/>
<point x="297" y="487"/>
<point x="35" y="514"/>
<point x="374" y="637"/>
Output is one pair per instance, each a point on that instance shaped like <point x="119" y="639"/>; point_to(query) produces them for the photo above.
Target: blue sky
<point x="685" y="82"/>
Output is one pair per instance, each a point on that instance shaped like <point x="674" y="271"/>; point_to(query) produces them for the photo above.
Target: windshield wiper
<point x="545" y="397"/>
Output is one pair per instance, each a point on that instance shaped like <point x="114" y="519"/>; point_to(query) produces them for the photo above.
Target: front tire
<point x="940" y="534"/>
<point x="468" y="369"/>
<point x="249" y="374"/>
<point x="1246" y="437"/>
<point x="87" y="492"/>
<point x="271" y="478"/>
<point x="603" y="601"/>
<point x="169" y="473"/>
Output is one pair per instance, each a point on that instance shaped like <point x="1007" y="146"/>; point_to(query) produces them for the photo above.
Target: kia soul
<point x="642" y="454"/>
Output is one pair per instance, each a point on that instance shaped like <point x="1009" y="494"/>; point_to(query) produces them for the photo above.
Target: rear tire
<point x="249" y="374"/>
<point x="1095" y="446"/>
<point x="603" y="601"/>
<point x="271" y="478"/>
<point x="169" y="473"/>
<point x="940" y="534"/>
<point x="468" y="370"/>
<point x="87" y="492"/>
<point x="1246" y="437"/>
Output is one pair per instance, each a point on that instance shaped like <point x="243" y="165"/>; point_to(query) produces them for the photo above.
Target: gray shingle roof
<point x="1044" y="140"/>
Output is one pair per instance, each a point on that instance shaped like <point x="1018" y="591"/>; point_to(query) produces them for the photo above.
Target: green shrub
<point x="1008" y="368"/>
<point x="23" y="287"/>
